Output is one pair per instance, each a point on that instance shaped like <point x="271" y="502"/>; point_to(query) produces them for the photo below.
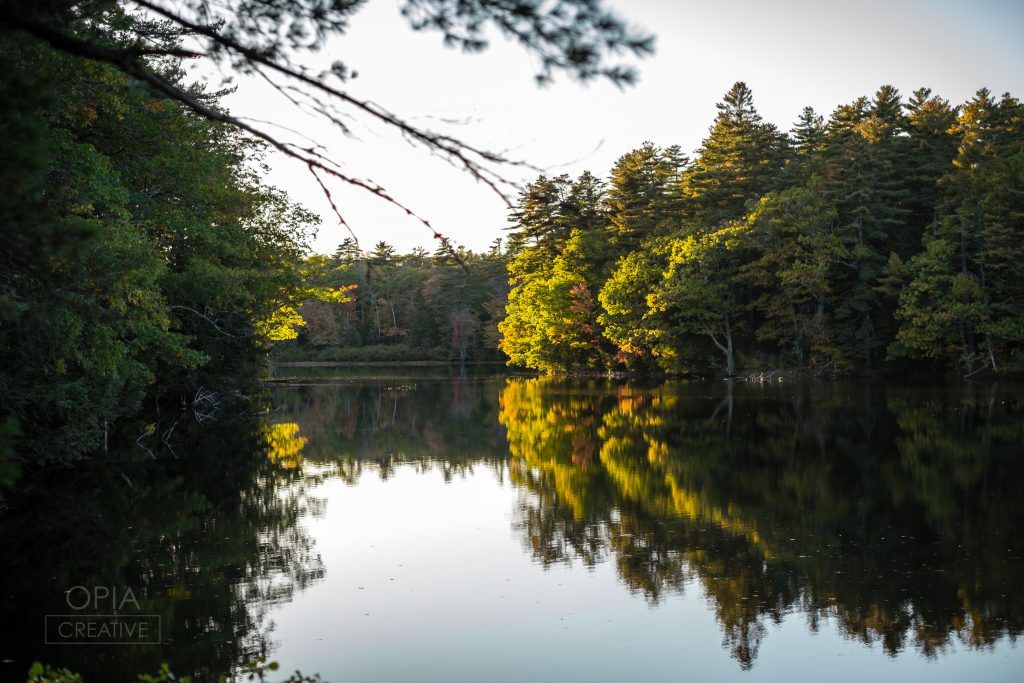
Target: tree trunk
<point x="376" y="316"/>
<point x="730" y="365"/>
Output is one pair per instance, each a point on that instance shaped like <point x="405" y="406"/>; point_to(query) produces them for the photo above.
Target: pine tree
<point x="643" y="194"/>
<point x="347" y="252"/>
<point x="581" y="208"/>
<point x="494" y="250"/>
<point x="537" y="218"/>
<point x="444" y="251"/>
<point x="892" y="226"/>
<point x="740" y="160"/>
<point x="962" y="303"/>
<point x="863" y="151"/>
<point x="383" y="254"/>
<point x="1001" y="252"/>
<point x="808" y="135"/>
<point x="929" y="123"/>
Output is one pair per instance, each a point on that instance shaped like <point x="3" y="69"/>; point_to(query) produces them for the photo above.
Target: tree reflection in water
<point x="892" y="512"/>
<point x="207" y="537"/>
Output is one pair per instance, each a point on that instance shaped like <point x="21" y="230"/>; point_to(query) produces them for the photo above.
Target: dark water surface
<point x="428" y="526"/>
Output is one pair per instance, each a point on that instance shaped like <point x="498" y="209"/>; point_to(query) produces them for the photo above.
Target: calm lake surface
<point x="429" y="527"/>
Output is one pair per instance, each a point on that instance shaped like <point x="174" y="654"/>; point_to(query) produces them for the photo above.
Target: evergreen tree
<point x="538" y="217"/>
<point x="347" y="252"/>
<point x="962" y="303"/>
<point x="740" y="160"/>
<point x="892" y="226"/>
<point x="794" y="233"/>
<point x="929" y="122"/>
<point x="863" y="154"/>
<point x="581" y="208"/>
<point x="808" y="133"/>
<point x="383" y="254"/>
<point x="643" y="194"/>
<point x="808" y="136"/>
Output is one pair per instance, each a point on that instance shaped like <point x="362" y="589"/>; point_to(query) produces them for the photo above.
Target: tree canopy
<point x="888" y="234"/>
<point x="144" y="261"/>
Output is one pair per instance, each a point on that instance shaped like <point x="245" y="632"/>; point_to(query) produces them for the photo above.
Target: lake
<point x="431" y="525"/>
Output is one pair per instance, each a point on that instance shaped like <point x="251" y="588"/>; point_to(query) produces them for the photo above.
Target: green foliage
<point x="378" y="353"/>
<point x="864" y="150"/>
<point x="145" y="257"/>
<point x="398" y="307"/>
<point x="259" y="670"/>
<point x="962" y="303"/>
<point x="795" y="236"/>
<point x="740" y="160"/>
<point x="164" y="675"/>
<point x="39" y="673"/>
<point x="551" y="319"/>
<point x="626" y="316"/>
<point x="891" y="231"/>
<point x="643" y="194"/>
<point x="9" y="469"/>
<point x="699" y="296"/>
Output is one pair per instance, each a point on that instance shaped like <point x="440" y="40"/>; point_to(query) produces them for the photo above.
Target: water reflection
<point x="377" y="425"/>
<point x="207" y="538"/>
<point x="891" y="511"/>
<point x="894" y="513"/>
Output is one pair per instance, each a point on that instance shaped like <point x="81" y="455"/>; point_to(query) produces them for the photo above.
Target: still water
<point x="431" y="527"/>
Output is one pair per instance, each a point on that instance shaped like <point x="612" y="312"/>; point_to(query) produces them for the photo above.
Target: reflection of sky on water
<point x="622" y="532"/>
<point x="426" y="582"/>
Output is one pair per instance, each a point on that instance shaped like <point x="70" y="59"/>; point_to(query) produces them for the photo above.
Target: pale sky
<point x="792" y="53"/>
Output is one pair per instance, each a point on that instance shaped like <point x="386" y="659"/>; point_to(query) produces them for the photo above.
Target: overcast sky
<point x="792" y="53"/>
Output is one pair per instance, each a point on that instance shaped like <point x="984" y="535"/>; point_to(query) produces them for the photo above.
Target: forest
<point x="147" y="268"/>
<point x="881" y="240"/>
<point x="166" y="427"/>
<point x="885" y="238"/>
<point x="143" y="259"/>
<point x="443" y="306"/>
<point x="146" y="264"/>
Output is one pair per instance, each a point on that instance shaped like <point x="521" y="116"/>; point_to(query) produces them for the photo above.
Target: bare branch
<point x="455" y="149"/>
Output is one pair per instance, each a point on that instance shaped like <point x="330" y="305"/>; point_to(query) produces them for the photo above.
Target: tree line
<point x="144" y="263"/>
<point x="442" y="306"/>
<point x="888" y="236"/>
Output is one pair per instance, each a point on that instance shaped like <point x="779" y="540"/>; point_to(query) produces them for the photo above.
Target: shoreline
<point x="381" y="363"/>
